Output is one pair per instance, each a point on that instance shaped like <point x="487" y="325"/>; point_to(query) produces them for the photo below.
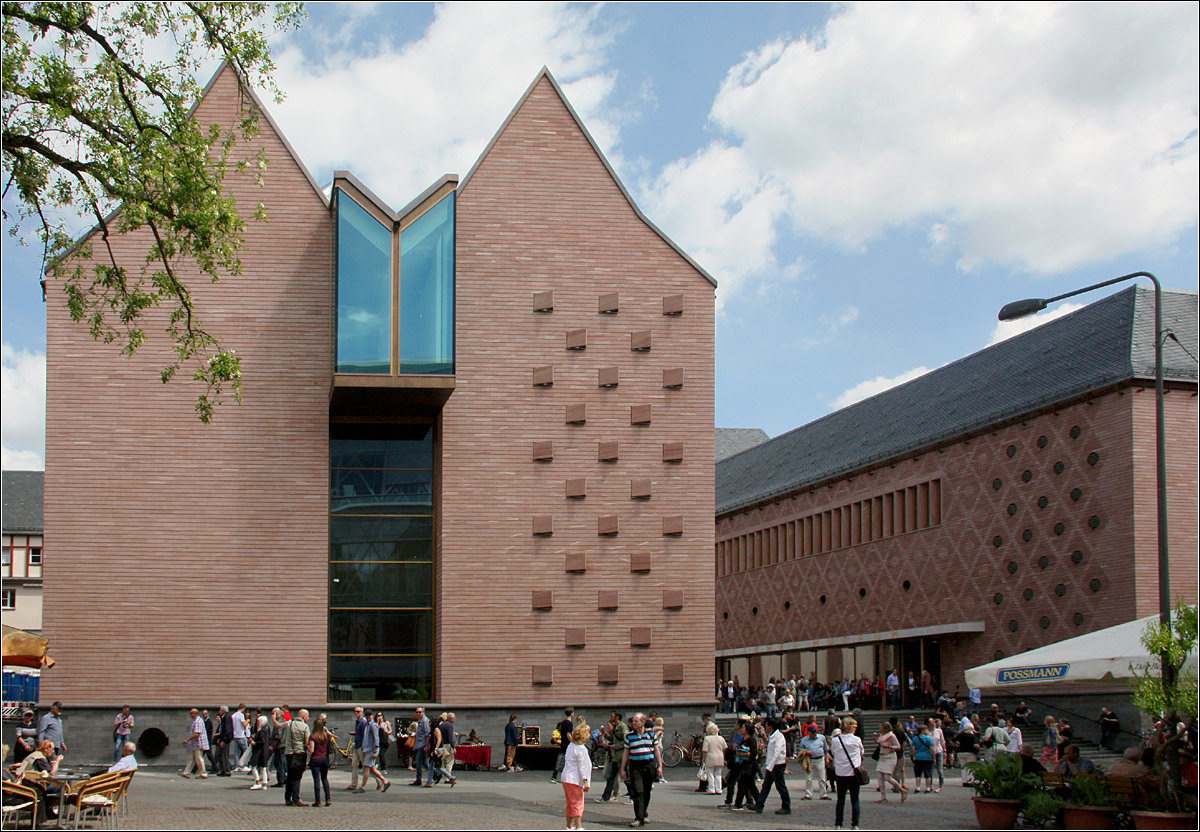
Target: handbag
<point x="861" y="773"/>
<point x="875" y="753"/>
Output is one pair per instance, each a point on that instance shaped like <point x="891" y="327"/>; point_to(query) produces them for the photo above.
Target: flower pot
<point x="996" y="814"/>
<point x="1163" y="820"/>
<point x="1089" y="817"/>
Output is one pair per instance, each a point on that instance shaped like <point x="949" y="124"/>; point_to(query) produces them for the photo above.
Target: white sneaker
<point x="255" y="787"/>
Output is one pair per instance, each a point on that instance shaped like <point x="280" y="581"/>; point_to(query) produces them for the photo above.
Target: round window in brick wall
<point x="754" y="610"/>
<point x="1012" y="451"/>
<point x="997" y="484"/>
<point x="1012" y="567"/>
<point x="1027" y="595"/>
<point x="1043" y="562"/>
<point x="787" y="605"/>
<point x="998" y="599"/>
<point x="1045" y="622"/>
<point x="1027" y="535"/>
<point x="1043" y="441"/>
<point x="1079" y="618"/>
<point x="999" y="654"/>
<point x="1077" y="556"/>
<point x="997" y="541"/>
<point x="907" y="585"/>
<point x="1093" y="458"/>
<point x="1094" y="522"/>
<point x="1076" y="432"/>
<point x="1060" y="528"/>
<point x="823" y="600"/>
<point x="1060" y="590"/>
<point x="1013" y="626"/>
<point x="1095" y="585"/>
<point x="1012" y="509"/>
<point x="725" y="616"/>
<point x="1026" y="476"/>
<point x="1077" y="494"/>
<point x="1043" y="501"/>
<point x="1059" y="467"/>
<point x="862" y="592"/>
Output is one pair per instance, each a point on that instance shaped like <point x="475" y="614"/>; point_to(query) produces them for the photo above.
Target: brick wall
<point x="186" y="561"/>
<point x="542" y="213"/>
<point x="1038" y="523"/>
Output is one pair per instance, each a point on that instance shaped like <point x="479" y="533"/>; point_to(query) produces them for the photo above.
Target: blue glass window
<point x="364" y="290"/>
<point x="427" y="292"/>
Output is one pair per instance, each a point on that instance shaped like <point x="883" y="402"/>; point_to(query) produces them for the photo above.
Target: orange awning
<point x="22" y="649"/>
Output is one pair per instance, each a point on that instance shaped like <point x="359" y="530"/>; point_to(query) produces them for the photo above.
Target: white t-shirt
<point x="847" y="751"/>
<point x="1014" y="741"/>
<point x="239" y="725"/>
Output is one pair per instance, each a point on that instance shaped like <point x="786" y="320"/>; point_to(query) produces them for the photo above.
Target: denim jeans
<point x="422" y="758"/>
<point x="847" y="785"/>
<point x="120" y="747"/>
<point x="775" y="776"/>
<point x="612" y="778"/>
<point x="320" y="775"/>
<point x="240" y="744"/>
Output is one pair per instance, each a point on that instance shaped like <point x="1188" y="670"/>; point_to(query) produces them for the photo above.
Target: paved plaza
<point x="493" y="800"/>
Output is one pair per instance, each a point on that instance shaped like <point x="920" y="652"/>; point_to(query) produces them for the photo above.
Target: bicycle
<point x="344" y="752"/>
<point x="679" y="751"/>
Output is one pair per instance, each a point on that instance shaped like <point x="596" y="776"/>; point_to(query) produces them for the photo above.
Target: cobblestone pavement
<point x="493" y="800"/>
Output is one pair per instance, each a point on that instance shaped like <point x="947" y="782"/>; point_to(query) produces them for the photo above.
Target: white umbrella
<point x="1102" y="656"/>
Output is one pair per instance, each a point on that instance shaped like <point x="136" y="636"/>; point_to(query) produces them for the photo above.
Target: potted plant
<point x="1000" y="786"/>
<point x="1090" y="806"/>
<point x="1168" y="698"/>
<point x="1039" y="808"/>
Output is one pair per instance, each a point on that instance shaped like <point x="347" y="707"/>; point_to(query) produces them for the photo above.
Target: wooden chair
<point x="20" y="798"/>
<point x="97" y="796"/>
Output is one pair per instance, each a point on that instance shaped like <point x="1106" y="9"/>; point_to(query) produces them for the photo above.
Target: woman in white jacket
<point x="714" y="756"/>
<point x="576" y="777"/>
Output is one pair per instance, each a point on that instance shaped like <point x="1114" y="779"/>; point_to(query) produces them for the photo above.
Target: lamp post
<point x="1022" y="308"/>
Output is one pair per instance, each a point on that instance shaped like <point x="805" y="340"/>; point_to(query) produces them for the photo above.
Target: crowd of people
<point x="804" y="694"/>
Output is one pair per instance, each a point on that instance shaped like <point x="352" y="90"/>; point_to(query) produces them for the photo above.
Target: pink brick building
<point x="474" y="464"/>
<point x="997" y="504"/>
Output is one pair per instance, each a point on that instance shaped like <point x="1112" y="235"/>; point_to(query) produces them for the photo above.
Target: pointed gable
<point x="544" y="142"/>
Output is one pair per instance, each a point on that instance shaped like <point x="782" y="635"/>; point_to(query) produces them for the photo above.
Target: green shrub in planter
<point x="1003" y="778"/>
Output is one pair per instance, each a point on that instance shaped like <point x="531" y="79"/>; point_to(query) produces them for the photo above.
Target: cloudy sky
<point x="868" y="184"/>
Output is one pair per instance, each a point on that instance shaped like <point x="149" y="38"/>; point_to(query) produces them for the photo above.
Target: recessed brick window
<point x="1043" y="441"/>
<point x="1095" y="585"/>
<point x="1060" y="528"/>
<point x="673" y="525"/>
<point x="576" y="414"/>
<point x="577" y="339"/>
<point x="1077" y="494"/>
<point x="673" y="378"/>
<point x="672" y="673"/>
<point x="543" y="674"/>
<point x="1012" y="509"/>
<point x="1027" y="595"/>
<point x="1077" y="557"/>
<point x="1093" y="522"/>
<point x="997" y="484"/>
<point x="1076" y="432"/>
<point x="543" y="376"/>
<point x="543" y="599"/>
<point x="640" y="341"/>
<point x="639" y="637"/>
<point x="606" y="451"/>
<point x="639" y="561"/>
<point x="1093" y="458"/>
<point x="1079" y="618"/>
<point x="997" y="541"/>
<point x="543" y="301"/>
<point x="607" y="524"/>
<point x="576" y="488"/>
<point x="543" y="525"/>
<point x="1026" y="476"/>
<point x="1059" y="467"/>
<point x="607" y="377"/>
<point x="672" y="452"/>
<point x="639" y="414"/>
<point x="543" y="451"/>
<point x="1043" y="501"/>
<point x="1012" y="451"/>
<point x="1045" y="622"/>
<point x="672" y="599"/>
<point x="607" y="674"/>
<point x="1013" y="626"/>
<point x="1013" y="567"/>
<point x="673" y="305"/>
<point x="639" y="490"/>
<point x="607" y="599"/>
<point x="609" y="303"/>
<point x="575" y="637"/>
<point x="998" y="599"/>
<point x="1060" y="590"/>
<point x="575" y="562"/>
<point x="1043" y="562"/>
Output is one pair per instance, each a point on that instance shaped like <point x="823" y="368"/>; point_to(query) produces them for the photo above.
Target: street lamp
<point x="1021" y="308"/>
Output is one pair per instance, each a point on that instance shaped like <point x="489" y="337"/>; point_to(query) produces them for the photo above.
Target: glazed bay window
<point x="381" y="562"/>
<point x="395" y="287"/>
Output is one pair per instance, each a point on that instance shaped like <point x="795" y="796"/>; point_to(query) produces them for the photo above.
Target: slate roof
<point x="732" y="441"/>
<point x="1103" y="344"/>
<point x="23" y="501"/>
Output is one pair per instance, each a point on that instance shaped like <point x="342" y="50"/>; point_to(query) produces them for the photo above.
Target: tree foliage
<point x="98" y="99"/>
<point x="1172" y="643"/>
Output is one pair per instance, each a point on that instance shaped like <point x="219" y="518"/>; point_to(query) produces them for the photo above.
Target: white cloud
<point x="1034" y="136"/>
<point x="1007" y="329"/>
<point x="23" y="408"/>
<point x="869" y="388"/>
<point x="399" y="117"/>
<point x="828" y="326"/>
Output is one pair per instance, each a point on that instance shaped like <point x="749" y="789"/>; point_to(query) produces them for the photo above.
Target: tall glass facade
<point x="381" y="562"/>
<point x="364" y="290"/>
<point x="427" y="291"/>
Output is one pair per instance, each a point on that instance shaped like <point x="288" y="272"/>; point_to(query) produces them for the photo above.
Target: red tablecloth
<point x="478" y="755"/>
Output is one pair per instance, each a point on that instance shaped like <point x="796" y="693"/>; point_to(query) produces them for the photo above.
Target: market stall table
<point x="473" y="755"/>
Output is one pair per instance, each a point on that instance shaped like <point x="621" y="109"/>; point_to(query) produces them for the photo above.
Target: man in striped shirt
<point x="641" y="763"/>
